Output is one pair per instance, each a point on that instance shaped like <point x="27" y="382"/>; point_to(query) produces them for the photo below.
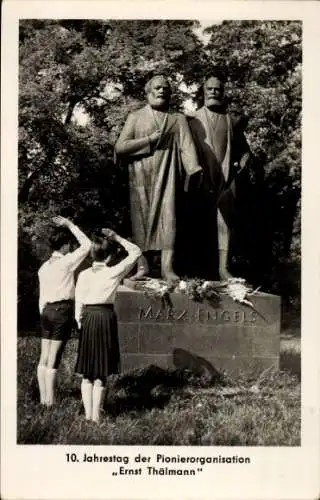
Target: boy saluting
<point x="56" y="301"/>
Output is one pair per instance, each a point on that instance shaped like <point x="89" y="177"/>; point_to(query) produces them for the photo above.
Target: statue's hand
<point x="154" y="137"/>
<point x="244" y="160"/>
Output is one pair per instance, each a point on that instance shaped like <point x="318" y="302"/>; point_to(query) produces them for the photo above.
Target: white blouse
<point x="99" y="283"/>
<point x="56" y="275"/>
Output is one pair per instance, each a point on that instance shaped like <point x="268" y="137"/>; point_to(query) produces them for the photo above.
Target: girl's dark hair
<point x="100" y="248"/>
<point x="59" y="237"/>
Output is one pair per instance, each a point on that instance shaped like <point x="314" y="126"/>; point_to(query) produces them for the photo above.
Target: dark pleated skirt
<point x="98" y="351"/>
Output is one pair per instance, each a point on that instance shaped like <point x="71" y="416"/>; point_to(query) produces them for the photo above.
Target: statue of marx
<point x="157" y="146"/>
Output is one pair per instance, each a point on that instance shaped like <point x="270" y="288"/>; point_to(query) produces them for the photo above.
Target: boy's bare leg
<point x="51" y="374"/>
<point x="55" y="346"/>
<point x="42" y="369"/>
<point x="45" y="347"/>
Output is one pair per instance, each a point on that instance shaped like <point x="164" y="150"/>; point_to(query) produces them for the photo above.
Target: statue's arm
<point x="187" y="148"/>
<point x="127" y="144"/>
<point x="244" y="152"/>
<point x="241" y="150"/>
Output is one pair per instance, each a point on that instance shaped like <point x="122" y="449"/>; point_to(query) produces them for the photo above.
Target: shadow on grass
<point x="147" y="388"/>
<point x="138" y="390"/>
<point x="152" y="387"/>
<point x="184" y="360"/>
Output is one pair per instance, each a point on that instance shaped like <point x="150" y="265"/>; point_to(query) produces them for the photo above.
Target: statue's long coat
<point x="220" y="163"/>
<point x="219" y="174"/>
<point x="157" y="174"/>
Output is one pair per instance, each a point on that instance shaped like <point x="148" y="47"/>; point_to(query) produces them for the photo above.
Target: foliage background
<point x="78" y="79"/>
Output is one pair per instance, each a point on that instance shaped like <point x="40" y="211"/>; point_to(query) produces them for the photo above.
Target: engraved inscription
<point x="159" y="314"/>
<point x="200" y="315"/>
<point x="183" y="315"/>
<point x="225" y="315"/>
<point x="237" y="316"/>
<point x="145" y="314"/>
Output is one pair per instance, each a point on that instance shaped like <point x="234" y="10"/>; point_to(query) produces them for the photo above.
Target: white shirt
<point x="99" y="283"/>
<point x="56" y="275"/>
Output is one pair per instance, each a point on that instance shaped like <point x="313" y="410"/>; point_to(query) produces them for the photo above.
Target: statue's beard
<point x="160" y="103"/>
<point x="215" y="104"/>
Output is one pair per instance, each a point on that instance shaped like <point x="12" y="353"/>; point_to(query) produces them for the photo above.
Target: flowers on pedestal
<point x="200" y="290"/>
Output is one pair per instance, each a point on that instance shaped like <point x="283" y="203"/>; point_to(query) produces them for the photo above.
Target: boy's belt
<point x="64" y="301"/>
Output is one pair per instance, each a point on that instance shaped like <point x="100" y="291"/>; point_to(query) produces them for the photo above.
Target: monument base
<point x="226" y="337"/>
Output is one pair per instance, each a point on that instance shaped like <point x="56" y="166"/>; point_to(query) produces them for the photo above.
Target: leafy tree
<point x="262" y="62"/>
<point x="96" y="71"/>
<point x="65" y="65"/>
<point x="99" y="68"/>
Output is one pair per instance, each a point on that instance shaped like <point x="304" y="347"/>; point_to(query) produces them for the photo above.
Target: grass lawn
<point x="157" y="407"/>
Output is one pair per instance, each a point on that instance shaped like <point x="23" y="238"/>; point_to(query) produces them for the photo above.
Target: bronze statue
<point x="222" y="151"/>
<point x="156" y="144"/>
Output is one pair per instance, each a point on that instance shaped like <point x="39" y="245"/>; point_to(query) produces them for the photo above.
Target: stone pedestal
<point x="224" y="337"/>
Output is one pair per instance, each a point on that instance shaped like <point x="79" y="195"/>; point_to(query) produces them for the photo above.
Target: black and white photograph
<point x="159" y="170"/>
<point x="159" y="242"/>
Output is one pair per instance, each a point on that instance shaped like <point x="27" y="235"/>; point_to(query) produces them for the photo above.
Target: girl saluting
<point x="98" y="350"/>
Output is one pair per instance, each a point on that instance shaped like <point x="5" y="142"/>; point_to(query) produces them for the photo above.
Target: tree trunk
<point x="71" y="107"/>
<point x="24" y="192"/>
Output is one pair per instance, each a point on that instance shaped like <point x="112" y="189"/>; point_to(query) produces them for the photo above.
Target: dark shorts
<point x="57" y="320"/>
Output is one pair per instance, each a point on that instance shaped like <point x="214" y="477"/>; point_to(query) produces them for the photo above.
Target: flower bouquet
<point x="200" y="290"/>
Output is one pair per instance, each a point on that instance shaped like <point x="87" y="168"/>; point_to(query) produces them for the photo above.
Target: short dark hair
<point x="100" y="248"/>
<point x="59" y="237"/>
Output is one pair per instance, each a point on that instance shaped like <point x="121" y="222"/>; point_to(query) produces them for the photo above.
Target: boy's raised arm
<point x="80" y="253"/>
